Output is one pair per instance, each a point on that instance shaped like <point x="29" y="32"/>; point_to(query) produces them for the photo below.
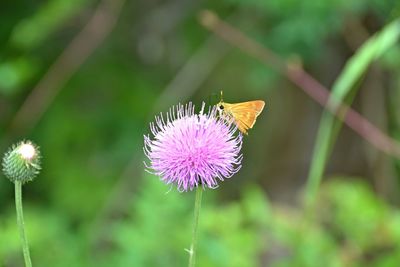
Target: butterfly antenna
<point x="222" y="99"/>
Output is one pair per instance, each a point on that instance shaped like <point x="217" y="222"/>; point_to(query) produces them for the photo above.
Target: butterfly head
<point x="221" y="105"/>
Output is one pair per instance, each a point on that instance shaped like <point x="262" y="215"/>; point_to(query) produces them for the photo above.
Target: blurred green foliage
<point x="93" y="206"/>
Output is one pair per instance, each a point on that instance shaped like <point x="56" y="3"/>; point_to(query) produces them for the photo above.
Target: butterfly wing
<point x="245" y="113"/>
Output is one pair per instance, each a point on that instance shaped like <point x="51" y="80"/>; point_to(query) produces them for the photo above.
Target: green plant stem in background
<point x="21" y="225"/>
<point x="197" y="206"/>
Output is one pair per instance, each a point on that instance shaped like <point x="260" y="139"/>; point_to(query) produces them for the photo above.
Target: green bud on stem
<point x="22" y="162"/>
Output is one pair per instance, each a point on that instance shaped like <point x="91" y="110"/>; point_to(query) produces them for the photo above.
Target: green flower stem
<point x="197" y="205"/>
<point x="21" y="225"/>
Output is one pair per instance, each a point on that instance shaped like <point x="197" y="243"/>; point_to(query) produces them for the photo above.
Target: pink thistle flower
<point x="191" y="149"/>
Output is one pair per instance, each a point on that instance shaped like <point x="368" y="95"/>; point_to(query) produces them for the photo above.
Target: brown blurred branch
<point x="295" y="73"/>
<point x="74" y="55"/>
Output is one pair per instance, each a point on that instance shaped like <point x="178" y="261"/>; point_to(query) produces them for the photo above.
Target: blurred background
<point x="83" y="79"/>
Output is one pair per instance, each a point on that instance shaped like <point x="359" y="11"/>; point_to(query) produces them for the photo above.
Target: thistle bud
<point x="22" y="162"/>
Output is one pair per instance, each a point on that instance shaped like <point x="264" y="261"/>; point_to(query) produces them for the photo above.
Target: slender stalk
<point x="21" y="225"/>
<point x="193" y="247"/>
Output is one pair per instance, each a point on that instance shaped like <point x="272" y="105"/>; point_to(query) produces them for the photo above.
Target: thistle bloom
<point x="189" y="149"/>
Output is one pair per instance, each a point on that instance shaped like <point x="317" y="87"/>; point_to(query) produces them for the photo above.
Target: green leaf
<point x="343" y="90"/>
